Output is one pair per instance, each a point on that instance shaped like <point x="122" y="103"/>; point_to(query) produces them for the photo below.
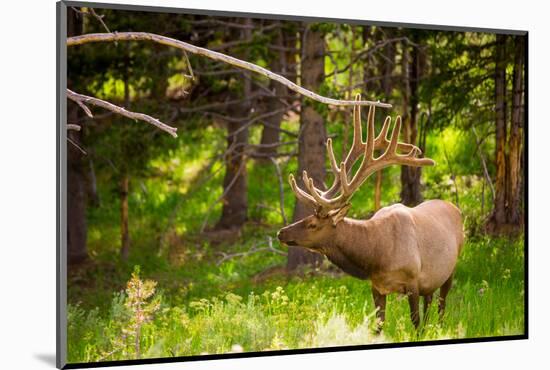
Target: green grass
<point x="217" y="309"/>
<point x="212" y="307"/>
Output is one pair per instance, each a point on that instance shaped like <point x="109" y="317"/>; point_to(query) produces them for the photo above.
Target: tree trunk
<point x="235" y="184"/>
<point x="311" y="147"/>
<point x="124" y="231"/>
<point x="513" y="201"/>
<point x="369" y="34"/>
<point x="76" y="196"/>
<point x="386" y="67"/>
<point x="411" y="194"/>
<point x="124" y="175"/>
<point x="271" y="129"/>
<point x="498" y="217"/>
<point x="76" y="173"/>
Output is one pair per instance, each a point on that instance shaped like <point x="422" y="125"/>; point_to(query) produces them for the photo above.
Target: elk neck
<point x="353" y="247"/>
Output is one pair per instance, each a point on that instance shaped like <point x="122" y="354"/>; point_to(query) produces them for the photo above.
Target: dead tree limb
<point x="82" y="100"/>
<point x="71" y="126"/>
<point x="144" y="36"/>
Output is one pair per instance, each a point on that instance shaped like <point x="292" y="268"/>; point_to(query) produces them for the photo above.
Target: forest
<point x="172" y="221"/>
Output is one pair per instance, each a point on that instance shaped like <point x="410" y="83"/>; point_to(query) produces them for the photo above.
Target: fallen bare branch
<point x="252" y="250"/>
<point x="144" y="36"/>
<point x="82" y="100"/>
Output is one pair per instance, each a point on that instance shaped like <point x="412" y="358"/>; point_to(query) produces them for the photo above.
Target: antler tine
<point x="308" y="183"/>
<point x="344" y="179"/>
<point x="332" y="158"/>
<point x="357" y="148"/>
<point x="320" y="201"/>
<point x="389" y="157"/>
<point x="357" y="129"/>
<point x="394" y="138"/>
<point x="382" y="139"/>
<point x="382" y="142"/>
<point x="369" y="148"/>
<point x="342" y="190"/>
<point x="300" y="194"/>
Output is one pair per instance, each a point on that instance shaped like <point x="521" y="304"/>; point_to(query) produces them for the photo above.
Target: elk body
<point x="411" y="251"/>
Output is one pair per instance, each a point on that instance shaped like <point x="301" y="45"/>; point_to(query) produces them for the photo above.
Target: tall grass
<point x="319" y="310"/>
<point x="209" y="307"/>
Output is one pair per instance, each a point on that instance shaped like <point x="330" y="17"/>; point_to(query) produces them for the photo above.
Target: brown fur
<point x="404" y="250"/>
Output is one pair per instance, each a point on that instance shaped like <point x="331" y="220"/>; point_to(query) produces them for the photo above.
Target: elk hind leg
<point x="414" y="298"/>
<point x="443" y="291"/>
<point x="427" y="304"/>
<point x="380" y="304"/>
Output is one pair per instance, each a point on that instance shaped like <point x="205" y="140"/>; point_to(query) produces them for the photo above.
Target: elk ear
<point x="339" y="214"/>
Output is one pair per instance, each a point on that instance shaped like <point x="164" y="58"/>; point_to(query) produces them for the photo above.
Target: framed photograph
<point x="237" y="185"/>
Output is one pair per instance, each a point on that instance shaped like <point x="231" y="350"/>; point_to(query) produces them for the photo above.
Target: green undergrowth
<point x="202" y="301"/>
<point x="204" y="307"/>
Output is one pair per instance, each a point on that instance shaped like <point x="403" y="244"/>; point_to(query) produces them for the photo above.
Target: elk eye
<point x="312" y="226"/>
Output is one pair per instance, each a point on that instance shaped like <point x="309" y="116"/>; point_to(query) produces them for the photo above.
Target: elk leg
<point x="427" y="303"/>
<point x="443" y="291"/>
<point x="380" y="304"/>
<point x="414" y="298"/>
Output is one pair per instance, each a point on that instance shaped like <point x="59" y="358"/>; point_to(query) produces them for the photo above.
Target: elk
<point x="411" y="251"/>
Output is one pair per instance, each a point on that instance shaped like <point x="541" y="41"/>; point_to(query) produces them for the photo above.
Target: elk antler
<point x="325" y="201"/>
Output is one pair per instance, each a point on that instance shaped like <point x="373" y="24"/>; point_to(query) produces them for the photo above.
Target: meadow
<point x="184" y="293"/>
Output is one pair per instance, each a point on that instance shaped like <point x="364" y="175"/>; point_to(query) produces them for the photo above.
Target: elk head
<point x="331" y="206"/>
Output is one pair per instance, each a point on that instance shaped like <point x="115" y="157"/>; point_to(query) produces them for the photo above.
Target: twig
<point x="368" y="52"/>
<point x="281" y="189"/>
<point x="144" y="36"/>
<point x="453" y="176"/>
<point x="259" y="118"/>
<point x="189" y="66"/>
<point x="253" y="249"/>
<point x="81" y="100"/>
<point x="100" y="19"/>
<point x="224" y="104"/>
<point x="245" y="119"/>
<point x="277" y="155"/>
<point x="93" y="13"/>
<point x="84" y="108"/>
<point x="76" y="145"/>
<point x="74" y="127"/>
<point x="482" y="157"/>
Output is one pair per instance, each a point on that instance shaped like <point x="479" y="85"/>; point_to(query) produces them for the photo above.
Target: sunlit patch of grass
<point x="224" y="311"/>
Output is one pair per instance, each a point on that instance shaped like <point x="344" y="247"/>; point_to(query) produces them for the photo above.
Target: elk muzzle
<point x="284" y="236"/>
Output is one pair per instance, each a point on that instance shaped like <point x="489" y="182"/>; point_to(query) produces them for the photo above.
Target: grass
<point x="206" y="308"/>
<point x="199" y="305"/>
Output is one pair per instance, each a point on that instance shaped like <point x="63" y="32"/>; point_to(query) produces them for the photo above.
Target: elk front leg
<point x="412" y="293"/>
<point x="380" y="304"/>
